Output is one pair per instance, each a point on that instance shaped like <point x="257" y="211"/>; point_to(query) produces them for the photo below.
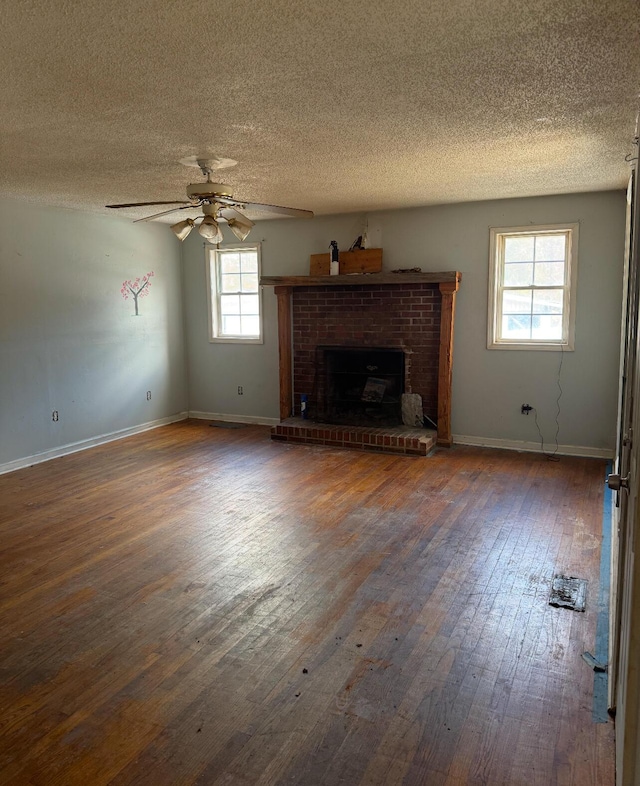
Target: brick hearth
<point x="403" y="440"/>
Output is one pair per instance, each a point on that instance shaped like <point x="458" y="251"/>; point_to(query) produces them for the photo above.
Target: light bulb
<point x="210" y="230"/>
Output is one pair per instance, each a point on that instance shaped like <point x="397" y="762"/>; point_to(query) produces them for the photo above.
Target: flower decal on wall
<point x="136" y="289"/>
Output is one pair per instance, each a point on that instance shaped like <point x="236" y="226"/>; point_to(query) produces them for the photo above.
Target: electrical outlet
<point x="240" y="391"/>
<point x="148" y="395"/>
<point x="54" y="416"/>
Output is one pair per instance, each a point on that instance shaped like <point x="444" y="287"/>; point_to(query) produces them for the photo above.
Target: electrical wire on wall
<point x="552" y="456"/>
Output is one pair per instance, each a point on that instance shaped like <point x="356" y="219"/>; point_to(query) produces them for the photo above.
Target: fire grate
<point x="568" y="592"/>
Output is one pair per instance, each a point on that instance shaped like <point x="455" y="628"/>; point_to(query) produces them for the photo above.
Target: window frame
<point x="213" y="267"/>
<point x="496" y="287"/>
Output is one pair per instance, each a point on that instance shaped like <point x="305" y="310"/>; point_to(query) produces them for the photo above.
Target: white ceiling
<point x="331" y="106"/>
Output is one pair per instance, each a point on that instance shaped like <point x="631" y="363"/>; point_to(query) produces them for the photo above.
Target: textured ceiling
<point x="330" y="106"/>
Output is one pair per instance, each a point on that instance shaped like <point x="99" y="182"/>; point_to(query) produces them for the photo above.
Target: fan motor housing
<point x="208" y="190"/>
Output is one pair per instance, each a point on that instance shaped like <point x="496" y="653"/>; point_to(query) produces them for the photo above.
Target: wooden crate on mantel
<point x="362" y="260"/>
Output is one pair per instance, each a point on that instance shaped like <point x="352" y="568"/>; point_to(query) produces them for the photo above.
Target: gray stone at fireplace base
<point x="412" y="410"/>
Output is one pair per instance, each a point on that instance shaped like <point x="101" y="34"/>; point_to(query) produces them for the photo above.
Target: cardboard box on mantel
<point x="362" y="260"/>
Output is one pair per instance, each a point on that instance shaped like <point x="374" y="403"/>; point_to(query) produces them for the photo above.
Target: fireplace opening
<point x="361" y="386"/>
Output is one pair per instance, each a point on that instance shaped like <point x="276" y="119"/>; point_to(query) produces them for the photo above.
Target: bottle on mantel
<point x="334" y="257"/>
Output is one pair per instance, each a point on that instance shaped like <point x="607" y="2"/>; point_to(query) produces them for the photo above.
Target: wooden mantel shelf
<point x="363" y="279"/>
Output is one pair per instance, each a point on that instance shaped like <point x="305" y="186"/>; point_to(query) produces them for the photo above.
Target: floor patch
<point x="568" y="592"/>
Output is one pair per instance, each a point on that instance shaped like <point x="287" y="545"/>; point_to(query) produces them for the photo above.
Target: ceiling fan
<point x="217" y="203"/>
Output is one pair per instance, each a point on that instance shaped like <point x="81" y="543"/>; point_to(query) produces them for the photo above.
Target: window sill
<point x="541" y="346"/>
<point x="239" y="340"/>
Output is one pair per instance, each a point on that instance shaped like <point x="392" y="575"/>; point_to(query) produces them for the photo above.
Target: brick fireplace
<point x="390" y="316"/>
<point x="412" y="313"/>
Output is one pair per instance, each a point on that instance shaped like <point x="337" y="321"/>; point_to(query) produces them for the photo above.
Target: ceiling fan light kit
<point x="217" y="203"/>
<point x="210" y="230"/>
<point x="240" y="226"/>
<point x="183" y="228"/>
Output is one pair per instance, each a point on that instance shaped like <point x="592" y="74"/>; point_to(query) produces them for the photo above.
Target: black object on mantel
<point x="334" y="258"/>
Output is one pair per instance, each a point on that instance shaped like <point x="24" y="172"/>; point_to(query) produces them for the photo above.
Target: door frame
<point x="628" y="342"/>
<point x="625" y="666"/>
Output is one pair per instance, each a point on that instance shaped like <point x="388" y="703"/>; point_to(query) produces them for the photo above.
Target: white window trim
<point x="213" y="283"/>
<point x="569" y="306"/>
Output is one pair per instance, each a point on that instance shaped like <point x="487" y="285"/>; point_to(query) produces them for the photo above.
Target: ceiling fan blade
<point x="230" y="212"/>
<point x="285" y="211"/>
<point x="164" y="212"/>
<point x="148" y="204"/>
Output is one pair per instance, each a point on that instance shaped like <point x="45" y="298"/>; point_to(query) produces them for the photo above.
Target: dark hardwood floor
<point x="198" y="605"/>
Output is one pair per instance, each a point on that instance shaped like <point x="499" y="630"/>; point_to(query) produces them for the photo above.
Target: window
<point x="234" y="275"/>
<point x="532" y="287"/>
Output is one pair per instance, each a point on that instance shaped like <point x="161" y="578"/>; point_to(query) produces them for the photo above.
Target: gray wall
<point x="70" y="342"/>
<point x="488" y="385"/>
<point x="216" y="370"/>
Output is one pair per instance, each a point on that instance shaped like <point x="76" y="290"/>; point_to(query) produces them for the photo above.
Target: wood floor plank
<point x="204" y="606"/>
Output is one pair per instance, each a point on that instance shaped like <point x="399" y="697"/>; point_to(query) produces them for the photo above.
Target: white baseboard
<point x="458" y="439"/>
<point x="251" y="419"/>
<point x="532" y="447"/>
<point x="74" y="447"/>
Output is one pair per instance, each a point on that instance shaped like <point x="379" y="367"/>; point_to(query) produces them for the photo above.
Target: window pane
<point x="235" y="290"/>
<point x="530" y="299"/>
<point x="518" y="249"/>
<point x="230" y="262"/>
<point x="249" y="282"/>
<point x="231" y="326"/>
<point x="516" y="326"/>
<point x="250" y="326"/>
<point x="548" y="301"/>
<point x="549" y="274"/>
<point x="518" y="274"/>
<point x="249" y="262"/>
<point x="516" y="301"/>
<point x="550" y="247"/>
<point x="230" y="283"/>
<point x="229" y="304"/>
<point x="547" y="327"/>
<point x="249" y="304"/>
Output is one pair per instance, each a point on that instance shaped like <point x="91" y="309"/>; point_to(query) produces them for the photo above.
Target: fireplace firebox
<point x="360" y="386"/>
